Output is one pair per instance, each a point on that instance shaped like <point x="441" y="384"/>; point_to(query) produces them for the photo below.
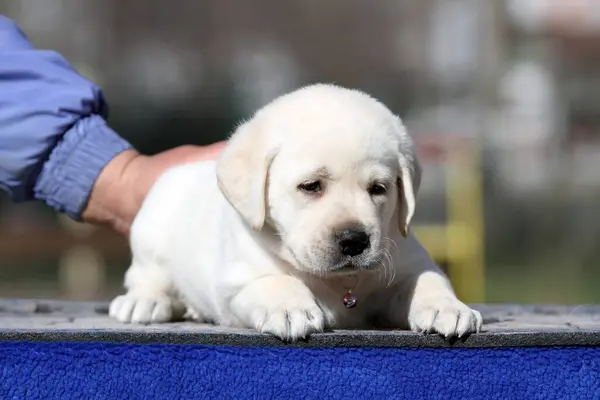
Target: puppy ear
<point x="409" y="182"/>
<point x="242" y="171"/>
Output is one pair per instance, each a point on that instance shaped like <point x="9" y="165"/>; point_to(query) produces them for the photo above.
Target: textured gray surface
<point x="504" y="326"/>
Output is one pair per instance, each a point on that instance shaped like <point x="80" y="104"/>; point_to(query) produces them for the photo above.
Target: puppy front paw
<point x="281" y="306"/>
<point x="445" y="315"/>
<point x="132" y="308"/>
<point x="290" y="322"/>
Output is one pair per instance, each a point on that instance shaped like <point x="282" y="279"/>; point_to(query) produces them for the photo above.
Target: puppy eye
<point x="310" y="187"/>
<point x="377" y="189"/>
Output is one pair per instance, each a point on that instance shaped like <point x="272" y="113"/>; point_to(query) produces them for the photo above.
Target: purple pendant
<point x="349" y="300"/>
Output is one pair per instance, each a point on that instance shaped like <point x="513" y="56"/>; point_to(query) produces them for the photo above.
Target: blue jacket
<point x="54" y="140"/>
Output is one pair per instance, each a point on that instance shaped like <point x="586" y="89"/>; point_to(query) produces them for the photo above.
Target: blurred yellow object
<point x="459" y="243"/>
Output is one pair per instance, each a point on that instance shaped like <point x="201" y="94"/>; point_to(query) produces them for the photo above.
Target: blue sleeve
<point x="54" y="140"/>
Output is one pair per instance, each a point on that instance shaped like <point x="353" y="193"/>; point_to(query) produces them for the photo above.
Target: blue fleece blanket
<point x="123" y="371"/>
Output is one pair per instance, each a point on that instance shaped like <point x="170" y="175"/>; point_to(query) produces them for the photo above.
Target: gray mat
<point x="504" y="326"/>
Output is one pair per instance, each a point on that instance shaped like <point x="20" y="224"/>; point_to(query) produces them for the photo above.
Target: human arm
<point x="55" y="144"/>
<point x="118" y="193"/>
<point x="54" y="139"/>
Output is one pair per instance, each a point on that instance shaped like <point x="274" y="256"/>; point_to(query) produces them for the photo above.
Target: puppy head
<point x="331" y="170"/>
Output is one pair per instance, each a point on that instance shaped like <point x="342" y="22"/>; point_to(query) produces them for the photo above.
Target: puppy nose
<point x="352" y="242"/>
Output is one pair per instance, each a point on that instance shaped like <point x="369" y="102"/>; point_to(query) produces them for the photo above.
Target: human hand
<point x="123" y="184"/>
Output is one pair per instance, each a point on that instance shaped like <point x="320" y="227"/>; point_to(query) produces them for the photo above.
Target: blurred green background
<point x="515" y="81"/>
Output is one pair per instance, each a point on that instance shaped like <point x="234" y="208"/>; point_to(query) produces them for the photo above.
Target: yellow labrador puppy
<point x="301" y="225"/>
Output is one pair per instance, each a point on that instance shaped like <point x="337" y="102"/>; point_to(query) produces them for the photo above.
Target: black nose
<point x="352" y="242"/>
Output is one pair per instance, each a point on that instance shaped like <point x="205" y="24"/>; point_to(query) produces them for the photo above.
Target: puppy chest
<point x="355" y="318"/>
<point x="345" y="314"/>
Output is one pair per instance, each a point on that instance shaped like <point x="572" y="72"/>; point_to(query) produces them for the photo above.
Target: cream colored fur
<point x="240" y="242"/>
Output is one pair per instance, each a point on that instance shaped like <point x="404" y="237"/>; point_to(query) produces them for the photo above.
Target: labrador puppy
<point x="301" y="225"/>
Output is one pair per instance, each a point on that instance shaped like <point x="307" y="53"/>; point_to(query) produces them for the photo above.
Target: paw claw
<point x="136" y="309"/>
<point x="284" y="307"/>
<point x="448" y="317"/>
<point x="293" y="324"/>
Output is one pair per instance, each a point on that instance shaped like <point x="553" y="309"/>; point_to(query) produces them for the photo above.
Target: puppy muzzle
<point x="353" y="266"/>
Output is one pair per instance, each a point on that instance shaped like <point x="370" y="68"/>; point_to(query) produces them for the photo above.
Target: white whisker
<point x="390" y="257"/>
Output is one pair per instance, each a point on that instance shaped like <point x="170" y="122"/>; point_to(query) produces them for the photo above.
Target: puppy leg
<point x="149" y="297"/>
<point x="281" y="305"/>
<point x="434" y="307"/>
